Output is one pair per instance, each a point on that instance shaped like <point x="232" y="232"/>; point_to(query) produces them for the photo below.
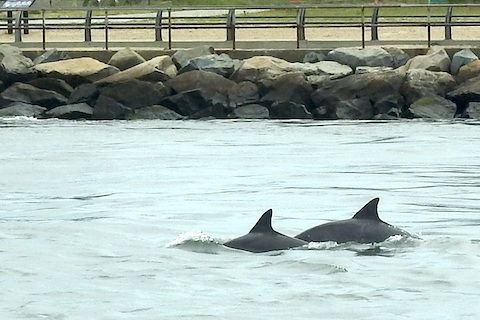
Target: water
<point x="124" y="220"/>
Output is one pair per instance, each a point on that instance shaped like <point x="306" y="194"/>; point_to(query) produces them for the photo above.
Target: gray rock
<point x="355" y="109"/>
<point x="421" y="82"/>
<point x="76" y="71"/>
<point x="390" y="105"/>
<point x="289" y="87"/>
<point x="250" y="111"/>
<point x="468" y="71"/>
<point x="108" y="109"/>
<point x="355" y="57"/>
<point x="154" y="112"/>
<point x="22" y="92"/>
<point x="14" y="66"/>
<point x="57" y="85"/>
<point x="87" y="92"/>
<point x="157" y="69"/>
<point x="465" y="93"/>
<point x="182" y="57"/>
<point x="135" y="94"/>
<point x="365" y="69"/>
<point x="221" y="64"/>
<point x="433" y="107"/>
<point x="399" y="56"/>
<point x="245" y="92"/>
<point x="260" y="68"/>
<point x="312" y="57"/>
<point x="331" y="68"/>
<point x="472" y="112"/>
<point x="71" y="111"/>
<point x="461" y="58"/>
<point x="51" y="56"/>
<point x="21" y="109"/>
<point x="435" y="60"/>
<point x="289" y="110"/>
<point x="215" y="111"/>
<point x="187" y="102"/>
<point x="125" y="59"/>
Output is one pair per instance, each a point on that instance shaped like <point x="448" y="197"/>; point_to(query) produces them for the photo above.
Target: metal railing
<point x="221" y="27"/>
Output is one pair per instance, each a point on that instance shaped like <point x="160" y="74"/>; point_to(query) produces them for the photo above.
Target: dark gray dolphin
<point x="364" y="227"/>
<point x="263" y="238"/>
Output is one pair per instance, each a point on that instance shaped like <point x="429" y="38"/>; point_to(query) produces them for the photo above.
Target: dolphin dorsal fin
<point x="264" y="224"/>
<point x="369" y="211"/>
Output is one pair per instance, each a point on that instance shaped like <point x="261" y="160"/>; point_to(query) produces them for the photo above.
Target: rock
<point x="187" y="102"/>
<point x="22" y="92"/>
<point x="433" y="107"/>
<point x="125" y="59"/>
<point x="461" y="58"/>
<point x="260" y="68"/>
<point x="57" y="85"/>
<point x="289" y="87"/>
<point x="244" y="92"/>
<point x="51" y="56"/>
<point x="157" y="69"/>
<point x="365" y="69"/>
<point x="436" y="60"/>
<point x="355" y="109"/>
<point x="465" y="93"/>
<point x="421" y="82"/>
<point x="221" y="64"/>
<point x="355" y="57"/>
<point x="154" y="112"/>
<point x="389" y="105"/>
<point x="250" y="111"/>
<point x="468" y="71"/>
<point x="399" y="56"/>
<point x="76" y="71"/>
<point x="333" y="69"/>
<point x="312" y="57"/>
<point x="71" y="111"/>
<point x="324" y="113"/>
<point x="209" y="83"/>
<point x="108" y="109"/>
<point x="22" y="109"/>
<point x="135" y="94"/>
<point x="216" y="111"/>
<point x="472" y="112"/>
<point x="87" y="92"/>
<point x="289" y="110"/>
<point x="182" y="57"/>
<point x="14" y="66"/>
<point x="373" y="86"/>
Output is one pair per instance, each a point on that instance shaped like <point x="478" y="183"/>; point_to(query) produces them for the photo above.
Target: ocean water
<point x="125" y="220"/>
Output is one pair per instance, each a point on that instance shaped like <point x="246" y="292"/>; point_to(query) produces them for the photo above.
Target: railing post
<point x="44" y="34"/>
<point x="170" y="28"/>
<point x="10" y="22"/>
<point x="158" y="26"/>
<point x="429" y="29"/>
<point x="300" y="26"/>
<point x="374" y="27"/>
<point x="106" y="29"/>
<point x="448" y="24"/>
<point x="25" y="22"/>
<point x="18" y="27"/>
<point x="88" y="26"/>
<point x="363" y="27"/>
<point x="231" y="27"/>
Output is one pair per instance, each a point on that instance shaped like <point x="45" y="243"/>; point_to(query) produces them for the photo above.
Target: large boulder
<point x="87" y="92"/>
<point x="135" y="94"/>
<point x="436" y="59"/>
<point x="22" y="109"/>
<point x="54" y="84"/>
<point x="472" y="111"/>
<point x="468" y="71"/>
<point x="421" y="82"/>
<point x="71" y="111"/>
<point x="460" y="59"/>
<point x="108" y="109"/>
<point x="187" y="102"/>
<point x="289" y="87"/>
<point x="331" y="68"/>
<point x="23" y="92"/>
<point x="250" y="111"/>
<point x="260" y="68"/>
<point x="399" y="56"/>
<point x="14" y="66"/>
<point x="354" y="109"/>
<point x="432" y="107"/>
<point x="125" y="59"/>
<point x="355" y="57"/>
<point x="159" y="68"/>
<point x="220" y="64"/>
<point x="313" y="56"/>
<point x="182" y="57"/>
<point x="158" y="112"/>
<point x="76" y="71"/>
<point x="465" y="93"/>
<point x="244" y="92"/>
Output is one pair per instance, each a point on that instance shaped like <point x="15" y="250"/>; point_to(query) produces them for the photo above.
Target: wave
<point x="196" y="241"/>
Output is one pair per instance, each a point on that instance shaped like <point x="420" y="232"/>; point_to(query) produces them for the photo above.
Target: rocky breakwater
<point x="345" y="83"/>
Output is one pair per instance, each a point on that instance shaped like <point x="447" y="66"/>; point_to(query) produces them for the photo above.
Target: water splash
<point x="196" y="241"/>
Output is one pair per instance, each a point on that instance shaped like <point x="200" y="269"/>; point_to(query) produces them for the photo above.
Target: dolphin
<point x="365" y="227"/>
<point x="263" y="238"/>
